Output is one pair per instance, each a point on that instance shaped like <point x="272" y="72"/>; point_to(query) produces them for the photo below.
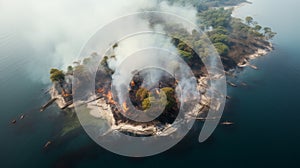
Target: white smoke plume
<point x="51" y="33"/>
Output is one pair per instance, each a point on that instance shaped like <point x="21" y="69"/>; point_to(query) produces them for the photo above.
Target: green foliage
<point x="267" y="30"/>
<point x="168" y="91"/>
<point x="105" y="66"/>
<point x="216" y="17"/>
<point x="220" y="30"/>
<point x="146" y="104"/>
<point x="216" y="38"/>
<point x="170" y="100"/>
<point x="249" y="20"/>
<point x="181" y="46"/>
<point x="221" y="48"/>
<point x="70" y="69"/>
<point x="257" y="28"/>
<point x="142" y="93"/>
<point x="104" y="61"/>
<point x="269" y="34"/>
<point x="185" y="54"/>
<point x="239" y="27"/>
<point x="56" y="75"/>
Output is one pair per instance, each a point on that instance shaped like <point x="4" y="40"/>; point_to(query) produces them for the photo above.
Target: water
<point x="266" y="114"/>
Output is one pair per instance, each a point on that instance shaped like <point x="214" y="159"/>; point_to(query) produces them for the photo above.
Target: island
<point x="237" y="41"/>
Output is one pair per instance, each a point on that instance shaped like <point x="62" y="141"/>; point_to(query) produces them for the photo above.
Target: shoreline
<point x="149" y="129"/>
<point x="107" y="114"/>
<point x="100" y="108"/>
<point x="260" y="51"/>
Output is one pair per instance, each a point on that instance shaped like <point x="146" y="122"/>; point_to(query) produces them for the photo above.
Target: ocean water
<point x="265" y="112"/>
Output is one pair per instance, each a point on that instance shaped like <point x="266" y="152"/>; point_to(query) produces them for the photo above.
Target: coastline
<point x="101" y="109"/>
<point x="260" y="51"/>
<point x="107" y="114"/>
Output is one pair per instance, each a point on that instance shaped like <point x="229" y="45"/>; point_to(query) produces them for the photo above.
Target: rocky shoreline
<point x="100" y="107"/>
<point x="259" y="53"/>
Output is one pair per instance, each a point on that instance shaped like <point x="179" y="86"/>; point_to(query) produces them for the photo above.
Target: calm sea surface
<point x="266" y="112"/>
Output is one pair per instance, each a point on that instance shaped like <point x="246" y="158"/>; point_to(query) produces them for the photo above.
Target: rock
<point x="22" y="117"/>
<point x="232" y="84"/>
<point x="226" y="123"/>
<point x="14" y="121"/>
<point x="47" y="144"/>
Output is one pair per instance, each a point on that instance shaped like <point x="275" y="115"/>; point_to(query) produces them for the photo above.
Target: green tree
<point x="221" y="48"/>
<point x="216" y="17"/>
<point x="70" y="69"/>
<point x="249" y="20"/>
<point x="142" y="93"/>
<point x="146" y="104"/>
<point x="269" y="34"/>
<point x="170" y="93"/>
<point x="185" y="54"/>
<point x="220" y="30"/>
<point x="169" y="102"/>
<point x="267" y="30"/>
<point x="257" y="28"/>
<point x="56" y="75"/>
<point x="215" y="38"/>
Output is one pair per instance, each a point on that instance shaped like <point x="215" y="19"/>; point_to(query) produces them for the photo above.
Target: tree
<point x="216" y="17"/>
<point x="142" y="93"/>
<point x="267" y="30"/>
<point x="146" y="103"/>
<point x="257" y="28"/>
<point x="221" y="48"/>
<point x="105" y="66"/>
<point x="269" y="34"/>
<point x="220" y="30"/>
<point x="169" y="102"/>
<point x="70" y="69"/>
<point x="215" y="38"/>
<point x="249" y="20"/>
<point x="185" y="54"/>
<point x="56" y="75"/>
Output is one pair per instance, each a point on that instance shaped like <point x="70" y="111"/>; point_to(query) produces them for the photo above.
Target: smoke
<point x="52" y="33"/>
<point x="148" y="52"/>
